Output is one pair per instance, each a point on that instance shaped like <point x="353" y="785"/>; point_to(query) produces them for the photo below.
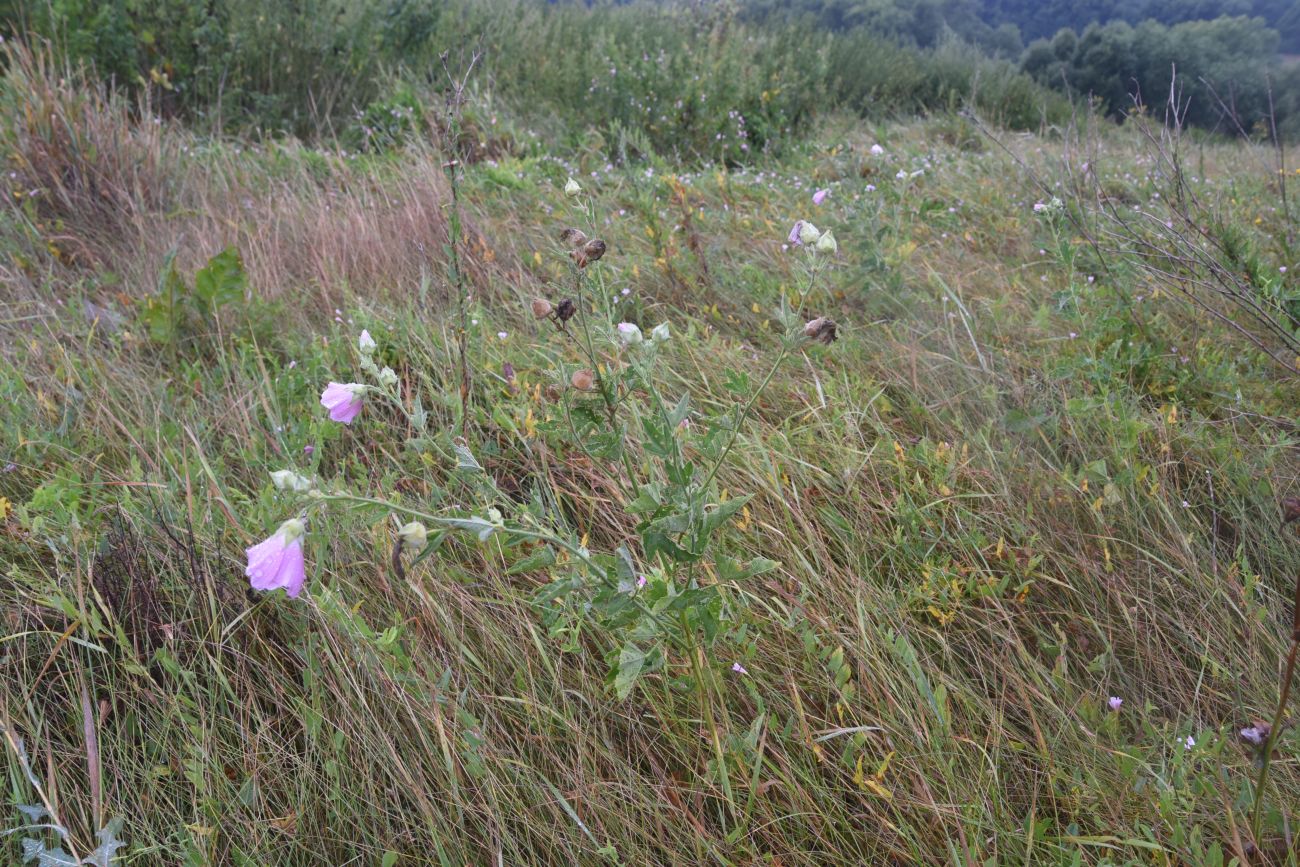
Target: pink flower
<point x="277" y="562"/>
<point x="738" y="668"/>
<point x="794" y="234"/>
<point x="820" y="196"/>
<point x="640" y="581"/>
<point x="1114" y="702"/>
<point x="343" y="400"/>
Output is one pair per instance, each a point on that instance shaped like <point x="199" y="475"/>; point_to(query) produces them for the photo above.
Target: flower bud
<point x="582" y="380"/>
<point x="826" y="244"/>
<point x="572" y="188"/>
<point x="659" y="334"/>
<point x="366" y="344"/>
<point x="822" y="330"/>
<point x="413" y="536"/>
<point x="288" y="480"/>
<point x="808" y="233"/>
<point x="629" y="334"/>
<point x="541" y="308"/>
<point x="387" y="378"/>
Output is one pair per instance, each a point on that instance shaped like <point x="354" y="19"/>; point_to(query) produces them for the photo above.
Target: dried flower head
<point x="566" y="310"/>
<point x="554" y="393"/>
<point x="541" y="308"/>
<point x="822" y="330"/>
<point x="573" y="237"/>
<point x="588" y="252"/>
<point x="582" y="380"/>
<point x="1290" y="510"/>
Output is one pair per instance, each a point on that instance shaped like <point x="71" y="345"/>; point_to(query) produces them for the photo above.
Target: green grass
<point x="995" y="501"/>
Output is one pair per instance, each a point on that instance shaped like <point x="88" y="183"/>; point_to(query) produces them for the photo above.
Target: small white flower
<point x="413" y="536"/>
<point x="288" y="480"/>
<point x="1189" y="742"/>
<point x="877" y="150"/>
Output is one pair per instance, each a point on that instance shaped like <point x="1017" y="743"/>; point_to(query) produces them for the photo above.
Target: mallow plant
<point x="667" y="591"/>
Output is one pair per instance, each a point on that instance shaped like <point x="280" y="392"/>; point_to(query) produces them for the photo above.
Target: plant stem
<point x="1267" y="758"/>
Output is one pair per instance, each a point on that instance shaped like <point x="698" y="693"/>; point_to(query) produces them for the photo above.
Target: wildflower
<point x="288" y="480"/>
<point x="826" y="244"/>
<point x="738" y="668"/>
<point x="871" y="188"/>
<point x="820" y="196"/>
<point x="588" y="252"/>
<point x="822" y="330"/>
<point x="1189" y="742"/>
<point x="571" y="188"/>
<point x="366" y="344"/>
<point x="502" y="335"/>
<point x="308" y="449"/>
<point x="640" y="581"/>
<point x="277" y="562"/>
<point x="659" y="334"/>
<point x="1114" y="702"/>
<point x="343" y="400"/>
<point x="413" y="536"/>
<point x="902" y="175"/>
<point x="582" y="380"/>
<point x="794" y="233"/>
<point x="1256" y="734"/>
<point x="877" y="150"/>
<point x="387" y="378"/>
<point x="541" y="308"/>
<point x="629" y="334"/>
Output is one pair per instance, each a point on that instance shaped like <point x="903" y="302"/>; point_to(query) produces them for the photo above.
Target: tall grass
<point x="995" y="502"/>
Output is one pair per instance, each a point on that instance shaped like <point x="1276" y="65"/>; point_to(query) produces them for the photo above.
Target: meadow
<point x="954" y="540"/>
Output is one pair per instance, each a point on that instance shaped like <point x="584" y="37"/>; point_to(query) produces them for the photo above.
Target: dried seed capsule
<point x="582" y="380"/>
<point x="541" y="308"/>
<point x="821" y="329"/>
<point x="554" y="393"/>
<point x="588" y="252"/>
<point x="573" y="237"/>
<point x="566" y="310"/>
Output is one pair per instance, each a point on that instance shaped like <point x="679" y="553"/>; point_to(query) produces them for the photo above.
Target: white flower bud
<point x="826" y="244"/>
<point x="808" y="233"/>
<point x="413" y="536"/>
<point x="572" y="188"/>
<point x="366" y="344"/>
<point x="387" y="378"/>
<point x="288" y="480"/>
<point x="629" y="334"/>
<point x="659" y="334"/>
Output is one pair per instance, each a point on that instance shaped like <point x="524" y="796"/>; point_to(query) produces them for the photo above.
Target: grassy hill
<point x="1040" y="467"/>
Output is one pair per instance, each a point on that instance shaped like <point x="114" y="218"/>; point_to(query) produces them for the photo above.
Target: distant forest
<point x="1006" y="27"/>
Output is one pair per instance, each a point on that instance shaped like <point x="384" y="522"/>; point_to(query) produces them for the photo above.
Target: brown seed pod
<point x="566" y="310"/>
<point x="1290" y="510"/>
<point x="588" y="252"/>
<point x="541" y="308"/>
<point x="554" y="392"/>
<point x="822" y="330"/>
<point x="573" y="237"/>
<point x="582" y="380"/>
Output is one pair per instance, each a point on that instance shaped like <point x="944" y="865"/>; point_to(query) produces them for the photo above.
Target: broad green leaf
<point x="630" y="662"/>
<point x="222" y="280"/>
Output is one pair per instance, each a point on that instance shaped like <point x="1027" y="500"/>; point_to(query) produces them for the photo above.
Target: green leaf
<point x="716" y="518"/>
<point x="465" y="459"/>
<point x="481" y="526"/>
<point x="630" y="662"/>
<point x="539" y="559"/>
<point x="389" y="859"/>
<point x="222" y="281"/>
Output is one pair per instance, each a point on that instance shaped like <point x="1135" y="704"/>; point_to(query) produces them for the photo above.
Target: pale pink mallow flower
<point x="277" y="563"/>
<point x="343" y="400"/>
<point x="820" y="196"/>
<point x="1114" y="703"/>
<point x="738" y="668"/>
